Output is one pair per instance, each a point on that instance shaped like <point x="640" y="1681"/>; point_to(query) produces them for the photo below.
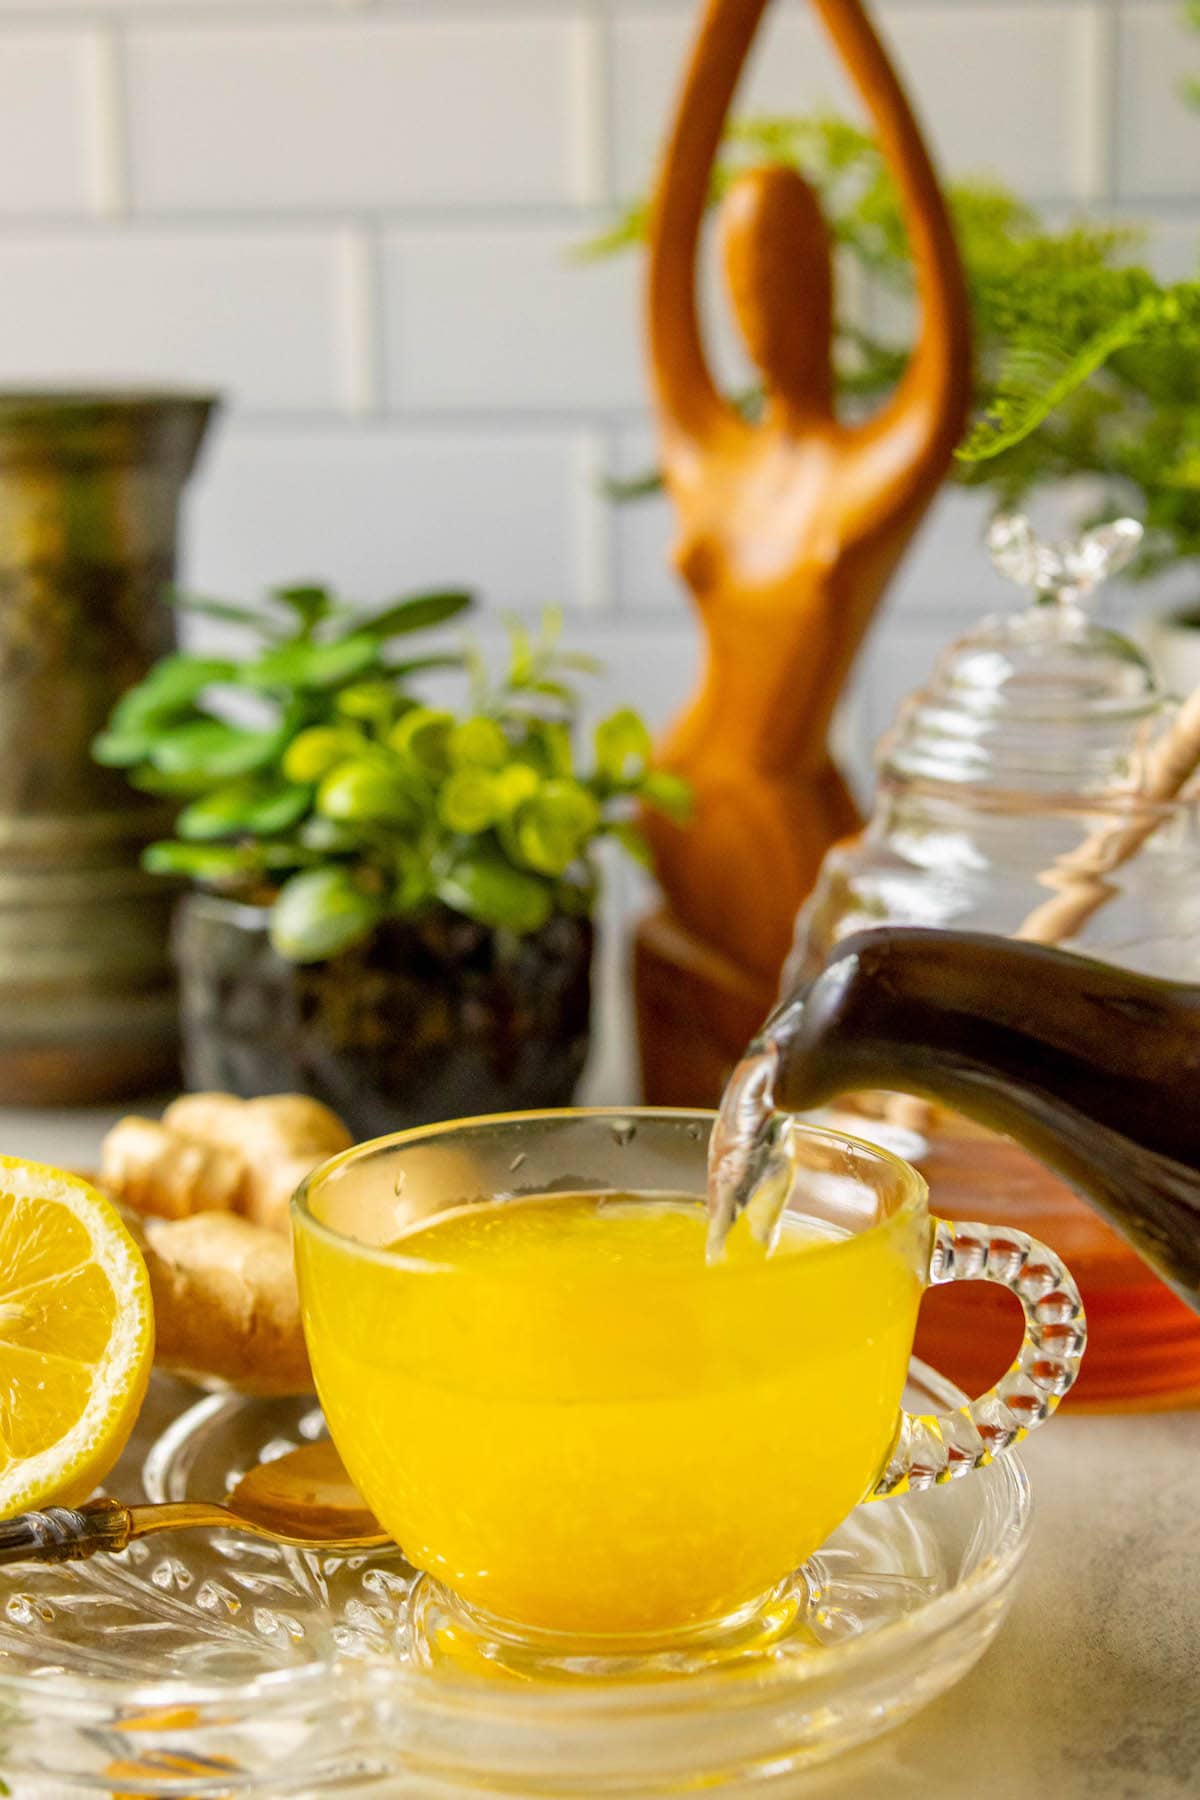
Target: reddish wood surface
<point x="789" y="528"/>
<point x="696" y="1012"/>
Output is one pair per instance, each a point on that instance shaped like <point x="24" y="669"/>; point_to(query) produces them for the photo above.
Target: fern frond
<point x="1037" y="377"/>
<point x="627" y="230"/>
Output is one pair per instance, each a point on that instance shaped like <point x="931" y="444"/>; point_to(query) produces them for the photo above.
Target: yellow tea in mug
<point x="557" y="1407"/>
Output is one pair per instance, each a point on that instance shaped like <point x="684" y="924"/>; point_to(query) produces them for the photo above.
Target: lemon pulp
<point x="76" y="1336"/>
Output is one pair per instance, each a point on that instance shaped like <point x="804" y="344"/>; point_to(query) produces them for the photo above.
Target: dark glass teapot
<point x="1094" y="1069"/>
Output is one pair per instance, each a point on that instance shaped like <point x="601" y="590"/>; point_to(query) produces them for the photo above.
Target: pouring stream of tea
<point x="748" y="1167"/>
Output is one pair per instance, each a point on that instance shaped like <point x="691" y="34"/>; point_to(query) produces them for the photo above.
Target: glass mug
<point x="623" y="1455"/>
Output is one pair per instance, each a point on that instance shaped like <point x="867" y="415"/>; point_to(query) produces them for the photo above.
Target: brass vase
<point x="89" y="496"/>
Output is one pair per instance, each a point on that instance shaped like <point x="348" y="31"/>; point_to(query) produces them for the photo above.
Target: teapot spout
<point x="1093" y="1069"/>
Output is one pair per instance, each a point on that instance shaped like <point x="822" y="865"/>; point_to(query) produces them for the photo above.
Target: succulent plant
<point x="314" y="776"/>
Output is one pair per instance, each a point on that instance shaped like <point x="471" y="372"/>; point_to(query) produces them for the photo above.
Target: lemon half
<point x="76" y="1336"/>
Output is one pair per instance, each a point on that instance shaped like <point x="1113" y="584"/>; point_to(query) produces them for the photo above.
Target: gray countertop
<point x="1092" y="1689"/>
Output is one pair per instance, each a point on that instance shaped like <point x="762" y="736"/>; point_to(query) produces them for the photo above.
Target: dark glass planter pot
<point x="434" y="1018"/>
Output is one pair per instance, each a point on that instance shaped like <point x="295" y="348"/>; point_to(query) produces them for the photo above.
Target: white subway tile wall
<point x="387" y="507"/>
<point x="259" y="314"/>
<point x="50" y="108"/>
<point x="356" y="218"/>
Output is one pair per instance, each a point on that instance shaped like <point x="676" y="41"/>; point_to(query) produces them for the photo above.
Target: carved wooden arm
<point x="904" y="448"/>
<point x="912" y="437"/>
<point x="689" y="402"/>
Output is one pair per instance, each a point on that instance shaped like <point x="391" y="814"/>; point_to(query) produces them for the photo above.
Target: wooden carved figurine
<point x="789" y="529"/>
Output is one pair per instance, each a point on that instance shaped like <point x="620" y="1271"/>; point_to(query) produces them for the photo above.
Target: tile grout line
<point x="359" y="347"/>
<point x="1103" y="151"/>
<point x="444" y="216"/>
<point x="109" y="177"/>
<point x="589" y="80"/>
<point x="593" y="529"/>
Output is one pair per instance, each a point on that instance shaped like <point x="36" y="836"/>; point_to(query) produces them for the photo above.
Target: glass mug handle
<point x="931" y="1448"/>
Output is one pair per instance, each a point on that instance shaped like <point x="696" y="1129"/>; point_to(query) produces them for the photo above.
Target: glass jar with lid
<point x="1022" y="792"/>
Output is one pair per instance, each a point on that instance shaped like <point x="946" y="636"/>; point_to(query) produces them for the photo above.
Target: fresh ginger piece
<point x="156" y="1171"/>
<point x="281" y="1139"/>
<point x="293" y="1123"/>
<point x="214" y="1182"/>
<point x="271" y="1186"/>
<point x="226" y="1304"/>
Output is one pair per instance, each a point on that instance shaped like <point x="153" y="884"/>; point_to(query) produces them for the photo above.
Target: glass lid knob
<point x="1060" y="574"/>
<point x="1043" y="698"/>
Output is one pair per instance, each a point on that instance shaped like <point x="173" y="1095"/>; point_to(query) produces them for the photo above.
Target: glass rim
<point x="913" y="1188"/>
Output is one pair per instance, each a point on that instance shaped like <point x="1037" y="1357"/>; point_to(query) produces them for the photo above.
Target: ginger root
<point x="281" y="1139"/>
<point x="213" y="1182"/>
<point x="155" y="1171"/>
<point x="215" y="1153"/>
<point x="225" y="1303"/>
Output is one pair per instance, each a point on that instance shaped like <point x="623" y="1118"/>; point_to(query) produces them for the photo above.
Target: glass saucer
<point x="211" y="1665"/>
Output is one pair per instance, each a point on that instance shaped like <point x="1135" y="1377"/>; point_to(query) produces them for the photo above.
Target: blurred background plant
<point x="1086" y="365"/>
<point x="314" y="778"/>
<point x="1191" y="87"/>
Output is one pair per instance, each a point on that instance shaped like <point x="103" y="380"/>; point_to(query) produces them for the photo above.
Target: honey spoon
<point x="303" y="1500"/>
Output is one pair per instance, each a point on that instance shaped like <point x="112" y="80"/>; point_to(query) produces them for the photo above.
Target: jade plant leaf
<point x="220" y="864"/>
<point x="309" y="600"/>
<point x="553" y="828"/>
<point x="413" y="880"/>
<point x="548" y="746"/>
<point x="364" y="791"/>
<point x="320" y="912"/>
<point x="622" y="745"/>
<point x="329" y="836"/>
<point x="170" y="688"/>
<point x="668" y="794"/>
<point x="314" y="667"/>
<point x="487" y="888"/>
<point x="420" y="665"/>
<point x="371" y="702"/>
<point x="416" y="613"/>
<point x="258" y="809"/>
<point x="478" y="744"/>
<point x="469" y="801"/>
<point x="423" y="736"/>
<point x="514" y="785"/>
<point x="213" y="748"/>
<point x="312" y="754"/>
<point x="632" y="841"/>
<point x="122" y="747"/>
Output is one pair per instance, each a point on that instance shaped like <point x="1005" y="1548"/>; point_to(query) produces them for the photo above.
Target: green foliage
<point x="1191" y="87"/>
<point x="1085" y="365"/>
<point x="314" y="775"/>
